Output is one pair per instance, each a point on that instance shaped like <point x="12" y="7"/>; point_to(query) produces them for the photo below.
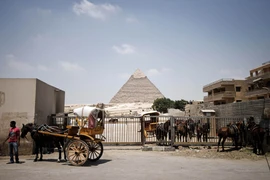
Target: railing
<point x="224" y="80"/>
<point x="220" y="96"/>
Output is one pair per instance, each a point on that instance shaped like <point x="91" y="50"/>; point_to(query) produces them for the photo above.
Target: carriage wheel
<point x="77" y="152"/>
<point x="95" y="150"/>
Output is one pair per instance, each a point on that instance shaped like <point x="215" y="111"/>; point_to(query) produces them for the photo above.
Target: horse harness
<point x="52" y="129"/>
<point x="45" y="127"/>
<point x="234" y="129"/>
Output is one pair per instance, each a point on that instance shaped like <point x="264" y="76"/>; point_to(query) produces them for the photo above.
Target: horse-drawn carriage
<point x="150" y="122"/>
<point x="83" y="134"/>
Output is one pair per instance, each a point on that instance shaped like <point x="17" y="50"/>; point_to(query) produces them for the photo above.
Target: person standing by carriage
<point x="13" y="141"/>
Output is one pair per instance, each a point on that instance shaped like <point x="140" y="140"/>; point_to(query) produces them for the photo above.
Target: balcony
<point x="219" y="96"/>
<point x="207" y="98"/>
<point x="256" y="92"/>
<point x="249" y="80"/>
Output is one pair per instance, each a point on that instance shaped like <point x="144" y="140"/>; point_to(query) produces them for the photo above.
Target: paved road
<point x="133" y="165"/>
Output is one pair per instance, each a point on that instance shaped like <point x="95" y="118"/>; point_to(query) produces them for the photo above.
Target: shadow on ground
<point x="91" y="163"/>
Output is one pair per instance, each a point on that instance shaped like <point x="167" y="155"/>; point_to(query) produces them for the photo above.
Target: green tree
<point x="162" y="104"/>
<point x="180" y="104"/>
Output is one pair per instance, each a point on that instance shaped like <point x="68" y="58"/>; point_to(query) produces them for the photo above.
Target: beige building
<point x="193" y="108"/>
<point x="225" y="91"/>
<point x="259" y="82"/>
<point x="25" y="101"/>
<point x="256" y="86"/>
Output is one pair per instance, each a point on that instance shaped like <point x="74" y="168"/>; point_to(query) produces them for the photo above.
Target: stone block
<point x="163" y="148"/>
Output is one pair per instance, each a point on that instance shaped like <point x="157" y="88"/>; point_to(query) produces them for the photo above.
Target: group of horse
<point x="183" y="129"/>
<point x="187" y="128"/>
<point x="237" y="131"/>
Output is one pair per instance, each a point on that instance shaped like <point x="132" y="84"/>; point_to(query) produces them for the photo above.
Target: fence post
<point x="172" y="131"/>
<point x="142" y="131"/>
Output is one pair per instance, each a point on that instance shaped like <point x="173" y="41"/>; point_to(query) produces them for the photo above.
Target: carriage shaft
<point x="59" y="135"/>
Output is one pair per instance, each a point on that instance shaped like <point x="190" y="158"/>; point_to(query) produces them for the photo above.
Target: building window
<point x="238" y="89"/>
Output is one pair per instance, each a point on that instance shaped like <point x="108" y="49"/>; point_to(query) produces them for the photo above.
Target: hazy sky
<point x="89" y="48"/>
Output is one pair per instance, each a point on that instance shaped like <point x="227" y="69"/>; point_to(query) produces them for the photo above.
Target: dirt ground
<point x="210" y="152"/>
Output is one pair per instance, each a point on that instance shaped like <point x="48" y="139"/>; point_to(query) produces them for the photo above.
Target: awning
<point x="208" y="110"/>
<point x="85" y="111"/>
<point x="150" y="113"/>
<point x="256" y="80"/>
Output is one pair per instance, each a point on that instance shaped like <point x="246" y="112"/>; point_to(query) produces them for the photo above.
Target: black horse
<point x="190" y="128"/>
<point x="202" y="130"/>
<point x="257" y="133"/>
<point x="162" y="131"/>
<point x="42" y="140"/>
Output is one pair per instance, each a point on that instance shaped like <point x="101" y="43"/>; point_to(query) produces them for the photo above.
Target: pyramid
<point x="138" y="88"/>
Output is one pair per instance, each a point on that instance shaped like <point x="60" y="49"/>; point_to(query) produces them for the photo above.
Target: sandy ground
<point x="207" y="152"/>
<point x="185" y="163"/>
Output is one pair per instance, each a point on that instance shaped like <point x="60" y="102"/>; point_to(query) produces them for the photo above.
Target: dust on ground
<point x="210" y="152"/>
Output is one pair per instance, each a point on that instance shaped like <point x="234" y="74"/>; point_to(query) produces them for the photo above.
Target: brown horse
<point x="184" y="128"/>
<point x="181" y="130"/>
<point x="232" y="131"/>
<point x="257" y="134"/>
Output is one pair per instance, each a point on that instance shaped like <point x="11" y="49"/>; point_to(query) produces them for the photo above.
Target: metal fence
<point x="129" y="130"/>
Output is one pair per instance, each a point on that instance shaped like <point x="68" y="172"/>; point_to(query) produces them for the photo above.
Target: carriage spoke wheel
<point x="95" y="150"/>
<point x="77" y="152"/>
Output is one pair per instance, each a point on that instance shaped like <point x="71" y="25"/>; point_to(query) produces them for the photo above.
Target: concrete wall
<point x="241" y="109"/>
<point x="25" y="101"/>
<point x="49" y="100"/>
<point x="17" y="103"/>
<point x="246" y="109"/>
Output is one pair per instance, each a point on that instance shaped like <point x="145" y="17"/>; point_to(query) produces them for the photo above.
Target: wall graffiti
<point x="2" y="98"/>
